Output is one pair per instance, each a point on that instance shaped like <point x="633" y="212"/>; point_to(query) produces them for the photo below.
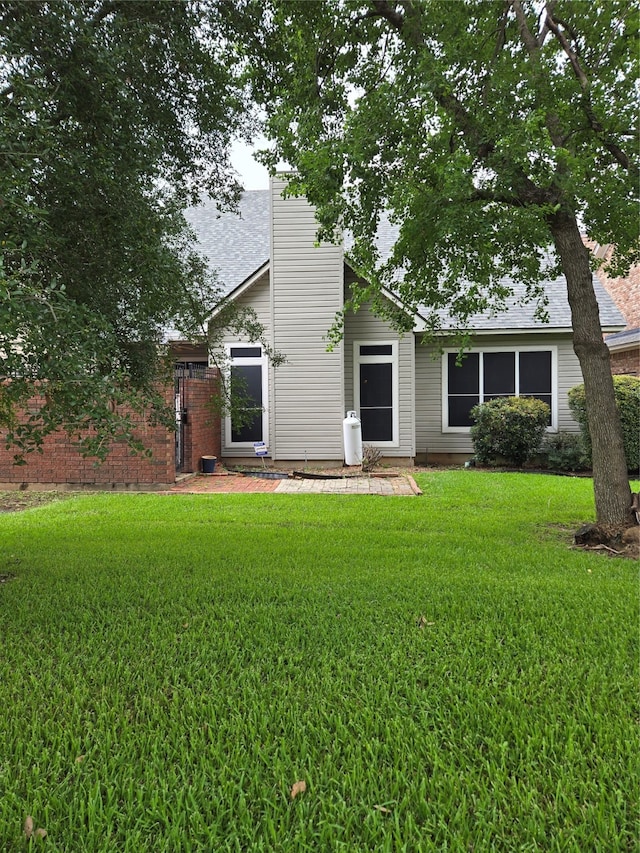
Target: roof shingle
<point x="237" y="244"/>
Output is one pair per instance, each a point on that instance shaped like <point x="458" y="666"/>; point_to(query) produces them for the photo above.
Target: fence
<point x="60" y="463"/>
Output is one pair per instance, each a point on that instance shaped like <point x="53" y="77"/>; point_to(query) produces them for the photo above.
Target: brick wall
<point x="625" y="292"/>
<point x="202" y="435"/>
<point x="626" y="361"/>
<point x="59" y="463"/>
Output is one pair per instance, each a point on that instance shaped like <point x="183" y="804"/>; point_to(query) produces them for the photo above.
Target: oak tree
<point x="114" y="118"/>
<point x="489" y="132"/>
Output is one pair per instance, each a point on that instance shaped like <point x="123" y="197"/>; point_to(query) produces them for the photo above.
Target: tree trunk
<point x="610" y="480"/>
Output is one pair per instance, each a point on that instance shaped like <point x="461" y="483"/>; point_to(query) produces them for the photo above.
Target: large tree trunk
<point x="610" y="479"/>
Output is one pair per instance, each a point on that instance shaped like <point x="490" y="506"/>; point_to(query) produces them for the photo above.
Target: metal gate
<point x="180" y="414"/>
<point x="182" y="372"/>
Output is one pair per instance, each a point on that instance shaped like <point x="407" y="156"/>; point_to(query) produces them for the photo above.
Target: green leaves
<point x="113" y="118"/>
<point x="466" y="121"/>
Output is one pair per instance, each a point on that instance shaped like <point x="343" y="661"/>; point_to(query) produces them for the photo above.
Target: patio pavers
<point x="402" y="485"/>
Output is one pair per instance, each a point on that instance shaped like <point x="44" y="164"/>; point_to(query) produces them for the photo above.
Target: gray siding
<point x="431" y="439"/>
<point x="366" y="327"/>
<point x="307" y="291"/>
<point x="258" y="297"/>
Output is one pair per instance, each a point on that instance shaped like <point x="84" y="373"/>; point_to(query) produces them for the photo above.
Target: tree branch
<point x="501" y="38"/>
<point x="485" y="147"/>
<point x="571" y="54"/>
<point x="595" y="124"/>
<point x="383" y="10"/>
<point x="530" y="41"/>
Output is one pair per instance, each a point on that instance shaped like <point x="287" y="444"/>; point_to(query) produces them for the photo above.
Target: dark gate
<point x="184" y="371"/>
<point x="179" y="402"/>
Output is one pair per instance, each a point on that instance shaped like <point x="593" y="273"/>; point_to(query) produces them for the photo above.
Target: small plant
<point x="509" y="428"/>
<point x="566" y="452"/>
<point x="371" y="457"/>
<point x="627" y="391"/>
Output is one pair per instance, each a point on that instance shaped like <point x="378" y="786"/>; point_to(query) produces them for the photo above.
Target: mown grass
<point x="444" y="673"/>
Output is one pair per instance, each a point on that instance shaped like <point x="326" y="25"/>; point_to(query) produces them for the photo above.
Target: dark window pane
<point x="464" y="379"/>
<point x="377" y="424"/>
<point x="246" y="382"/>
<point x="376" y="385"/>
<point x="459" y="408"/>
<point x="376" y="349"/>
<point x="251" y="431"/>
<point x="535" y="373"/>
<point x="499" y="373"/>
<point x="246" y="352"/>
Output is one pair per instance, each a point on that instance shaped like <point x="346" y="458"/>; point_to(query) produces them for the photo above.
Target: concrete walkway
<point x="401" y="485"/>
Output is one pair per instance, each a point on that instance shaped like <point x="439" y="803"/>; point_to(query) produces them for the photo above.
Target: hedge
<point x="509" y="428"/>
<point x="627" y="391"/>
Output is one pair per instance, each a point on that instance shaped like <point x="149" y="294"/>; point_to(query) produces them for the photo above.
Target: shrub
<point x="509" y="427"/>
<point x="627" y="391"/>
<point x="371" y="457"/>
<point x="565" y="451"/>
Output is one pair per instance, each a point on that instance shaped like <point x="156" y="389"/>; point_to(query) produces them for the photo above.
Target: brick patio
<point x="402" y="485"/>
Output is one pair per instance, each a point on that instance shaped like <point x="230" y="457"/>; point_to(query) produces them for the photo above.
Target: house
<point x="624" y="346"/>
<point x="413" y="400"/>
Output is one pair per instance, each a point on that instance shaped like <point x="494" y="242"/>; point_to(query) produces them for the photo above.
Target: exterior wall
<point x="257" y="297"/>
<point x="202" y="433"/>
<point x="431" y="441"/>
<point x="307" y="398"/>
<point x="365" y="326"/>
<point x="625" y="291"/>
<point x="60" y="464"/>
<point x="626" y="361"/>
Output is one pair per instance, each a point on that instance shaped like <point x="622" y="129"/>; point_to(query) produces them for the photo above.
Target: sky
<point x="254" y="176"/>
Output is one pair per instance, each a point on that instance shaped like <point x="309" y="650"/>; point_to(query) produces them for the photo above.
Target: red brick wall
<point x="626" y="361"/>
<point x="625" y="292"/>
<point x="60" y="463"/>
<point x="202" y="429"/>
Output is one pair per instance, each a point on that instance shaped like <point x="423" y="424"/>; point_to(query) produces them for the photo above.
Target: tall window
<point x="485" y="374"/>
<point x="376" y="391"/>
<point x="247" y="375"/>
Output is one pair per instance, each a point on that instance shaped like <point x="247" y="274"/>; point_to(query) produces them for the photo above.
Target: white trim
<point x="515" y="349"/>
<point x="379" y="359"/>
<point x="237" y="291"/>
<point x="263" y="362"/>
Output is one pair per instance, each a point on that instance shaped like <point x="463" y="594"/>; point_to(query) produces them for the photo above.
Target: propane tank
<point x="352" y="431"/>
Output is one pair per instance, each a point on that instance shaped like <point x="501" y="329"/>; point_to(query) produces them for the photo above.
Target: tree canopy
<point x="114" y="117"/>
<point x="490" y="133"/>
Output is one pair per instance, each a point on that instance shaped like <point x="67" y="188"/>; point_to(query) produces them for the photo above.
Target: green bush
<point x="627" y="391"/>
<point x="565" y="451"/>
<point x="510" y="428"/>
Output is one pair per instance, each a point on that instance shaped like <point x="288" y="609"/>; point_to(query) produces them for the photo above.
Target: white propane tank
<point x="352" y="430"/>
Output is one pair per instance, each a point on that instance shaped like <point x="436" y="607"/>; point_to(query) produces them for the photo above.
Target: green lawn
<point x="444" y="673"/>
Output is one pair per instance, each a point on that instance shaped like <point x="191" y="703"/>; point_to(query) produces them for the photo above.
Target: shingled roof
<point x="237" y="244"/>
<point x="519" y="313"/>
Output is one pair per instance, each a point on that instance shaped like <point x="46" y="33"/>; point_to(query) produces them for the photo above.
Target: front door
<point x="376" y="391"/>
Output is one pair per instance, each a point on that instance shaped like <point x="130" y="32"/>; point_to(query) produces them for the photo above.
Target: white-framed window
<point x="491" y="372"/>
<point x="375" y="391"/>
<point x="248" y="379"/>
